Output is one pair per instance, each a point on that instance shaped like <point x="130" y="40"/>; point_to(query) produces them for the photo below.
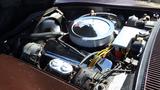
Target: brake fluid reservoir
<point x="58" y="65"/>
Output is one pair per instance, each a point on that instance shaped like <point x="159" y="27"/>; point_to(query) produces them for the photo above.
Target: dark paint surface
<point x="16" y="75"/>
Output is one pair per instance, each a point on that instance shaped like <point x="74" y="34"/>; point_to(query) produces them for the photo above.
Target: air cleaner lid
<point x="92" y="27"/>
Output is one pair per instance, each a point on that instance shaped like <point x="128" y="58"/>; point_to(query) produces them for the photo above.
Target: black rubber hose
<point x="46" y="34"/>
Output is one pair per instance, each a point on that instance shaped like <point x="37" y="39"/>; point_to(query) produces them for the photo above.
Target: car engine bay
<point x="88" y="48"/>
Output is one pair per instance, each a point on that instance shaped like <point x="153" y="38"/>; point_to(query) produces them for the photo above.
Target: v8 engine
<point x="94" y="51"/>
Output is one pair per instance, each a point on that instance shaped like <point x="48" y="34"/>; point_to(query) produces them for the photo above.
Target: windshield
<point x="133" y="3"/>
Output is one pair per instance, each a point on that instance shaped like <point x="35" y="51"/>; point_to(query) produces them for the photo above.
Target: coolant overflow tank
<point x="91" y="31"/>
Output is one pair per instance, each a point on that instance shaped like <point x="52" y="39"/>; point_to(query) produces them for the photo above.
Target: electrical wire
<point x="101" y="54"/>
<point x="87" y="57"/>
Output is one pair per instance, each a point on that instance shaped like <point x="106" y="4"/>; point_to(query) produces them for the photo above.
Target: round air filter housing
<point x="91" y="31"/>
